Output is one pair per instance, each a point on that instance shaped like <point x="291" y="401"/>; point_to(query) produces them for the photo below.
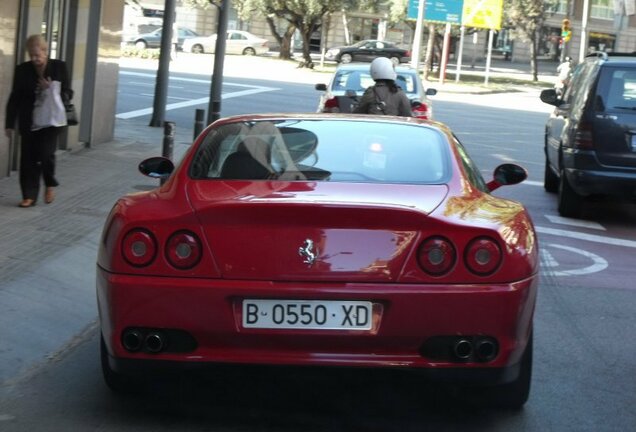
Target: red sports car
<point x="321" y="239"/>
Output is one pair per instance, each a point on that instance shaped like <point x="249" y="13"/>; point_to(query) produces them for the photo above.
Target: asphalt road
<point x="584" y="368"/>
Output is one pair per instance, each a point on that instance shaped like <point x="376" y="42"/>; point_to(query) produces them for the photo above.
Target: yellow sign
<point x="484" y="14"/>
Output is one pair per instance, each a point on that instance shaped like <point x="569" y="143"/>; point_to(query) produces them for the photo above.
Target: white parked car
<point x="238" y="42"/>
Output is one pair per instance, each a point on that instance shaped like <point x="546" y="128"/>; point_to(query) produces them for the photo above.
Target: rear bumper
<point x="209" y="310"/>
<point x="588" y="176"/>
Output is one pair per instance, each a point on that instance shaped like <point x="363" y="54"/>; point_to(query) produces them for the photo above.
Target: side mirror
<point x="321" y="87"/>
<point x="156" y="167"/>
<point x="431" y="92"/>
<point x="550" y="97"/>
<point x="506" y="175"/>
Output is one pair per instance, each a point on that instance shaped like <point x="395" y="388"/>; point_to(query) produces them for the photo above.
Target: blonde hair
<point x="37" y="41"/>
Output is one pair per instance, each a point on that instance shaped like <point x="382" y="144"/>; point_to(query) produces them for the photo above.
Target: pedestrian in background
<point x="35" y="83"/>
<point x="564" y="71"/>
<point x="385" y="97"/>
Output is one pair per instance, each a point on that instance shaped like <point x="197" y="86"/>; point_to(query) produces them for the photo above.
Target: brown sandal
<point x="49" y="195"/>
<point x="27" y="202"/>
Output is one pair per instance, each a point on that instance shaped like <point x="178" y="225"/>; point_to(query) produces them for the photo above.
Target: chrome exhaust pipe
<point x="486" y="349"/>
<point x="463" y="349"/>
<point x="154" y="342"/>
<point x="132" y="340"/>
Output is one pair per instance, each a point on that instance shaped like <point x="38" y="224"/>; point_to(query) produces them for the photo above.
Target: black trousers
<point x="37" y="159"/>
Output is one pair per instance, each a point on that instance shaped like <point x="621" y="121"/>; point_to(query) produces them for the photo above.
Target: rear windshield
<point x="616" y="89"/>
<point x="324" y="150"/>
<point x="358" y="81"/>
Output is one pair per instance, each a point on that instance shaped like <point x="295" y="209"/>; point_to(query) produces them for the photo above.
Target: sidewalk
<point x="48" y="255"/>
<point x="47" y="262"/>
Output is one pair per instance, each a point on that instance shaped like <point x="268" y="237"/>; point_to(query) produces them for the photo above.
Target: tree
<point x="527" y="18"/>
<point x="304" y="15"/>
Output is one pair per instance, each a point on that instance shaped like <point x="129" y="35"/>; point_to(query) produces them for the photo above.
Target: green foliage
<point x="131" y="51"/>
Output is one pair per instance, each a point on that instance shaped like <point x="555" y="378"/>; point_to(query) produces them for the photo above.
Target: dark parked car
<point x="590" y="138"/>
<point x="350" y="81"/>
<point x="153" y="39"/>
<point x="322" y="240"/>
<point x="367" y="50"/>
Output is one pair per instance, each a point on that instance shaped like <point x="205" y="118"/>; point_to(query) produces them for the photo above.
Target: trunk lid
<point x="302" y="231"/>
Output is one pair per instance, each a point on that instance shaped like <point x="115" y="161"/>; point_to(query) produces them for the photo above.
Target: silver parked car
<point x="237" y="42"/>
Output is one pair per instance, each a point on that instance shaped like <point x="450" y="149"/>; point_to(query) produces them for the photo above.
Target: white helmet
<point x="383" y="68"/>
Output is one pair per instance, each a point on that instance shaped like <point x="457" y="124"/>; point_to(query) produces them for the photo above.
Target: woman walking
<point x="34" y="82"/>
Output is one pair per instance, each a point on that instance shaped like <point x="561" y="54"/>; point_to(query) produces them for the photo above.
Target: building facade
<point x="84" y="33"/>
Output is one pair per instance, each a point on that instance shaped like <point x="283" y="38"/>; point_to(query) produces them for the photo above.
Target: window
<point x="603" y="9"/>
<point x="306" y="150"/>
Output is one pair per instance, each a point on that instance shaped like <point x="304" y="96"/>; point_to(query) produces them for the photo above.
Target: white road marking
<point x="587" y="237"/>
<point x="575" y="222"/>
<point x="251" y="89"/>
<point x="169" y="97"/>
<point x="598" y="263"/>
<point x="532" y="183"/>
<point x="191" y="102"/>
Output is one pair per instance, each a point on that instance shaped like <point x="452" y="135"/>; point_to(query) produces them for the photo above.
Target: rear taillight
<point x="421" y="111"/>
<point x="139" y="247"/>
<point x="436" y="256"/>
<point x="583" y="137"/>
<point x="331" y="105"/>
<point x="183" y="250"/>
<point x="408" y="54"/>
<point x="483" y="256"/>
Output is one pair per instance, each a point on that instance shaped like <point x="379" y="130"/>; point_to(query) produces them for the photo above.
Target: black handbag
<point x="71" y="114"/>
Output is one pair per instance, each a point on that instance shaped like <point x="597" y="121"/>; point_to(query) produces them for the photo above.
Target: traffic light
<point x="566" y="30"/>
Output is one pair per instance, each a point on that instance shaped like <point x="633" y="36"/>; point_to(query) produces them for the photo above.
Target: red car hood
<point x="360" y="232"/>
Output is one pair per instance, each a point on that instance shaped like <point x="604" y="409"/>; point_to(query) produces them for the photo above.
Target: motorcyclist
<point x="385" y="97"/>
<point x="564" y="70"/>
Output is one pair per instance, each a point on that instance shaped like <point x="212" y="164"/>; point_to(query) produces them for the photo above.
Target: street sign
<point x="441" y="11"/>
<point x="486" y="14"/>
<point x="444" y="11"/>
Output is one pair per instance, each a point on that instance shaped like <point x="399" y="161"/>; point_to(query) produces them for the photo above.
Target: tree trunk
<point x="533" y="56"/>
<point x="284" y="41"/>
<point x="428" y="59"/>
<point x="306" y="35"/>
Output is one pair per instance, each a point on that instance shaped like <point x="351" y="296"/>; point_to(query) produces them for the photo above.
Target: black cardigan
<point x="22" y="98"/>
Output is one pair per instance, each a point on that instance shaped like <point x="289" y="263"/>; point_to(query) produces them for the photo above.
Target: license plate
<point x="307" y="314"/>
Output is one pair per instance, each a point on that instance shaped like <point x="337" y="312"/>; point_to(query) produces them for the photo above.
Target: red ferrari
<point x="335" y="240"/>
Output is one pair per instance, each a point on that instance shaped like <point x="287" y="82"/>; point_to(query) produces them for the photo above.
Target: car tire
<point x="141" y="44"/>
<point x="197" y="49"/>
<point x="249" y="51"/>
<point x="117" y="382"/>
<point x="512" y="395"/>
<point x="395" y="60"/>
<point x="550" y="179"/>
<point x="569" y="202"/>
<point x="346" y="58"/>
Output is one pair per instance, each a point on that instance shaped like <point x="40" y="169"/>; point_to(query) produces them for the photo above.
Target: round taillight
<point x="139" y="247"/>
<point x="436" y="256"/>
<point x="483" y="256"/>
<point x="183" y="250"/>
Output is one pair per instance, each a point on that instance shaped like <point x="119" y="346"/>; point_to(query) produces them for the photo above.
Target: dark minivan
<point x="590" y="138"/>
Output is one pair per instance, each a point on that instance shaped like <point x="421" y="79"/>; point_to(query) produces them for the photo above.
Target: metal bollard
<point x="168" y="141"/>
<point x="199" y="116"/>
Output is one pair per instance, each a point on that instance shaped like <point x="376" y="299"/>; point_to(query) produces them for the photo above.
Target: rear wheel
<point x="197" y="49"/>
<point x="570" y="203"/>
<point x="346" y="58"/>
<point x="141" y="44"/>
<point x="115" y="381"/>
<point x="249" y="51"/>
<point x="550" y="179"/>
<point x="512" y="395"/>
